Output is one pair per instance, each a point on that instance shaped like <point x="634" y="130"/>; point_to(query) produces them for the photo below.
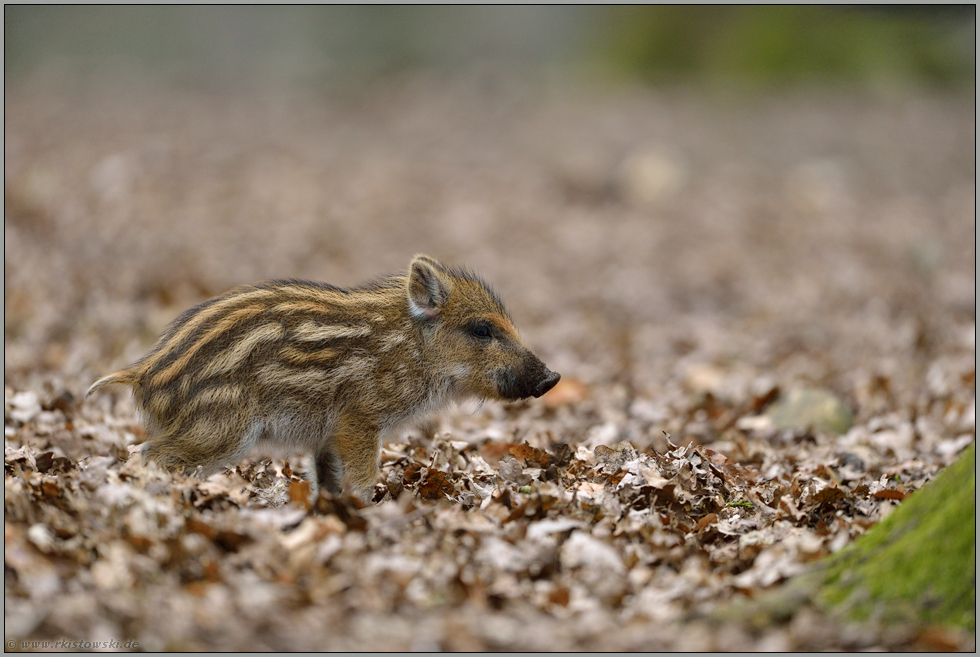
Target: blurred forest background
<point x="324" y="46"/>
<point x="702" y="217"/>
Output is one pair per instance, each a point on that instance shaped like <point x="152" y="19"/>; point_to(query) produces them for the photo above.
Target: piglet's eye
<point x="481" y="330"/>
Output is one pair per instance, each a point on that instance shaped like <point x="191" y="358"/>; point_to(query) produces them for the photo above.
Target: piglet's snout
<point x="546" y="383"/>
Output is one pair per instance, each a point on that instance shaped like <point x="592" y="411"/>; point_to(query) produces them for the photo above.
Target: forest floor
<point x="762" y="308"/>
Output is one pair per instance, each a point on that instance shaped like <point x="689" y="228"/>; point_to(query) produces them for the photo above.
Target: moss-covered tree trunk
<point x="919" y="563"/>
<point x="917" y="567"/>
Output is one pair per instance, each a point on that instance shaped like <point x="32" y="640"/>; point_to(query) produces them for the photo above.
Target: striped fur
<point x="329" y="370"/>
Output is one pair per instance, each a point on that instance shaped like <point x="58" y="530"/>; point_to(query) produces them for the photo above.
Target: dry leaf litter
<point x="763" y="314"/>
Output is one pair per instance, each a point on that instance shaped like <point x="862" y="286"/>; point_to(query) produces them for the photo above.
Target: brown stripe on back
<point x="278" y="375"/>
<point x="220" y="328"/>
<point x="299" y="290"/>
<point x="310" y="331"/>
<point x="336" y="298"/>
<point x="303" y="306"/>
<point x="169" y="344"/>
<point x="295" y="356"/>
<point x="157" y="404"/>
<point x="225" y="395"/>
<point x="228" y="359"/>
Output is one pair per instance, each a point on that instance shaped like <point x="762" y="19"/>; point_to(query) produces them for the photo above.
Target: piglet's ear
<point x="428" y="288"/>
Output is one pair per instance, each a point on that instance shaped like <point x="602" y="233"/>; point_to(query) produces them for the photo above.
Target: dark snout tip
<point x="547" y="383"/>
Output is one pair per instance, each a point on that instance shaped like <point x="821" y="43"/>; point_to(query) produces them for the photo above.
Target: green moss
<point x="792" y="43"/>
<point x="919" y="564"/>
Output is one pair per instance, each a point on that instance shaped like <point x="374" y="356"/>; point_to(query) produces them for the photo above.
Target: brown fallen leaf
<point x="227" y="540"/>
<point x="50" y="489"/>
<point x="345" y="508"/>
<point x="889" y="494"/>
<point x="493" y="452"/>
<point x="140" y="543"/>
<point x="299" y="492"/>
<point x="531" y="456"/>
<point x="230" y="541"/>
<point x="935" y="638"/>
<point x="829" y="495"/>
<point x="436" y="486"/>
<point x="50" y="462"/>
<point x="412" y="473"/>
<point x="195" y="526"/>
<point x="705" y="521"/>
<point x="560" y="596"/>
